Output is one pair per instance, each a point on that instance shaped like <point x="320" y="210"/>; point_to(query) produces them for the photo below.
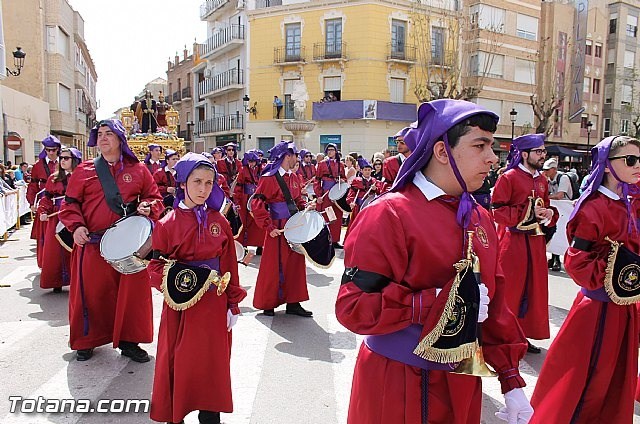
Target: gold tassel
<point x="425" y="348"/>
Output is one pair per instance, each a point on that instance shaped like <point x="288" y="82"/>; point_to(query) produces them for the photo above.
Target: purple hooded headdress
<point x="50" y="141"/>
<point x="363" y="163"/>
<point x="434" y="120"/>
<point x="405" y="133"/>
<point x="207" y="155"/>
<point x="77" y="154"/>
<point x="249" y="155"/>
<point x="599" y="161"/>
<point x="276" y="156"/>
<point x="168" y="153"/>
<point x="184" y="168"/>
<point x="116" y="126"/>
<point x="151" y="146"/>
<point x="217" y="150"/>
<point x="520" y="144"/>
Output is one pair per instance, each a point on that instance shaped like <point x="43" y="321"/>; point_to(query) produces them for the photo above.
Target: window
<point x="494" y="106"/>
<point x="397" y="90"/>
<point x="629" y="59"/>
<point x="613" y="26"/>
<point x="595" y="89"/>
<point x="525" y="114"/>
<point x="627" y="94"/>
<point x="332" y="85"/>
<point x="333" y="37"/>
<point x="288" y="103"/>
<point x="266" y="143"/>
<point x="293" y="42"/>
<point x="611" y="56"/>
<point x="398" y="31"/>
<point x="487" y="17"/>
<point x="527" y="27"/>
<point x="525" y="71"/>
<point x="598" y="50"/>
<point x="632" y="26"/>
<point x="588" y="47"/>
<point x="64" y="99"/>
<point x="437" y="45"/>
<point x="607" y="127"/>
<point x="63" y="43"/>
<point x="583" y="121"/>
<point x="608" y="93"/>
<point x="586" y="85"/>
<point x="488" y="65"/>
<point x="624" y="126"/>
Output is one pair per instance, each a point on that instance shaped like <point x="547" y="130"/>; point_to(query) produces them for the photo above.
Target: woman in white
<point x="350" y="170"/>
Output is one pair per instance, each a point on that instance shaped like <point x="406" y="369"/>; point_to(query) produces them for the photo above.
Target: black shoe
<point x="550" y="263"/>
<point x="556" y="267"/>
<point x="268" y="312"/>
<point x="259" y="251"/>
<point x="297" y="309"/>
<point x="57" y="290"/>
<point x="532" y="349"/>
<point x="135" y="352"/>
<point x="209" y="417"/>
<point x="337" y="245"/>
<point x="84" y="354"/>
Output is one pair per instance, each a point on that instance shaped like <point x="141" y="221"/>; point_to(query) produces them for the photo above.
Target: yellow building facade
<point x="357" y="61"/>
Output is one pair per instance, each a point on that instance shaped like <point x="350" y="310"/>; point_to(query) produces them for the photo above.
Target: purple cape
<point x="276" y="156"/>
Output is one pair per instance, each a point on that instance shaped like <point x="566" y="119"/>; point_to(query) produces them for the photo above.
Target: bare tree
<point x="454" y="51"/>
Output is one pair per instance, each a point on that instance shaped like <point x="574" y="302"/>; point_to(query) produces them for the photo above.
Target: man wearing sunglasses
<point x="391" y="165"/>
<point x="523" y="255"/>
<point x="46" y="165"/>
<point x="230" y="166"/>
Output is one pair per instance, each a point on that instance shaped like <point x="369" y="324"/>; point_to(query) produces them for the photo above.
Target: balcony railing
<point x="289" y="54"/>
<point x="186" y="93"/>
<point x="401" y="52"/>
<point x="221" y="123"/>
<point x="176" y="97"/>
<point x="263" y="4"/>
<point x="286" y="112"/>
<point x="221" y="81"/>
<point x="329" y="51"/>
<point x="210" y="6"/>
<point x="221" y="38"/>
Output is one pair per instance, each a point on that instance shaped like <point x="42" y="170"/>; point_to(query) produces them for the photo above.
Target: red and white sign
<point x="14" y="141"/>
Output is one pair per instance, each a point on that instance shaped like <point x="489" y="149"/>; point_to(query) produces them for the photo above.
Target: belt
<point x="597" y="294"/>
<point x="327" y="184"/>
<point x="279" y="210"/>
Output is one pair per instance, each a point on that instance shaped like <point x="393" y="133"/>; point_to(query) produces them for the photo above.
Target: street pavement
<point x="285" y="369"/>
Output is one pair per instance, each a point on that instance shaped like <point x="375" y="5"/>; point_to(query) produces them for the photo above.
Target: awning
<point x="562" y="151"/>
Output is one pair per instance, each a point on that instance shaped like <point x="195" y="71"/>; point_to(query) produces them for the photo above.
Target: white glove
<point x="231" y="319"/>
<point x="483" y="312"/>
<point x="518" y="410"/>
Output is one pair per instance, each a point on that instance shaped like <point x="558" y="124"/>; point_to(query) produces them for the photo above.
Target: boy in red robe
<point x="104" y="305"/>
<point x="56" y="270"/>
<point x="46" y="165"/>
<point x="328" y="173"/>
<point x="364" y="187"/>
<point x="194" y="345"/>
<point x="590" y="372"/>
<point x="251" y="234"/>
<point x="307" y="171"/>
<point x="282" y="275"/>
<point x="230" y="167"/>
<point x="523" y="256"/>
<point x="153" y="159"/>
<point x="395" y="284"/>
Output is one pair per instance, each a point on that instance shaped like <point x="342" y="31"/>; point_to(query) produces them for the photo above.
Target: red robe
<point x="523" y="257"/>
<point x="610" y="395"/>
<point x="390" y="168"/>
<point x="222" y="182"/>
<point x="194" y="347"/>
<point x="229" y="169"/>
<point x="360" y="187"/>
<point x="56" y="271"/>
<point x="252" y="234"/>
<point x="153" y="167"/>
<point x="119" y="306"/>
<point x="307" y="172"/>
<point x="418" y="256"/>
<point x="329" y="174"/>
<point x="282" y="275"/>
<point x="39" y="176"/>
<point x="164" y="179"/>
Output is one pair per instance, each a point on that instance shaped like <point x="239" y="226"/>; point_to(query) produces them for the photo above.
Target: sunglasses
<point x="230" y="150"/>
<point x="539" y="152"/>
<point x="307" y="156"/>
<point x="51" y="149"/>
<point x="65" y="157"/>
<point x="629" y="160"/>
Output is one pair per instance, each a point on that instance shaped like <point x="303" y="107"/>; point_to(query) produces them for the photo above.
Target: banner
<point x="577" y="65"/>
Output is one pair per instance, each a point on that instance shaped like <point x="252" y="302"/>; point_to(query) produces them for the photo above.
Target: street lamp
<point x="18" y="61"/>
<point x="245" y="102"/>
<point x="513" y="115"/>
<point x="589" y="125"/>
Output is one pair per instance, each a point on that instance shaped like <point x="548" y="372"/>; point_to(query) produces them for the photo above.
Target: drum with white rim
<point x="125" y="245"/>
<point x="308" y="235"/>
<point x="338" y="195"/>
<point x="64" y="236"/>
<point x="240" y="250"/>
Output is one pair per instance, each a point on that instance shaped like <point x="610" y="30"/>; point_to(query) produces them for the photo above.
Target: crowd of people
<point x="462" y="275"/>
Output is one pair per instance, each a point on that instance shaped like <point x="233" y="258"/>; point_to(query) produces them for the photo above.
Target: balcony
<point x="286" y="112"/>
<point x="325" y="52"/>
<point x="221" y="124"/>
<point x="186" y="93"/>
<point x="230" y="80"/>
<point x="289" y="55"/>
<point x="210" y="6"/>
<point x="224" y="40"/>
<point x="176" y="98"/>
<point x="263" y="4"/>
<point x="400" y="52"/>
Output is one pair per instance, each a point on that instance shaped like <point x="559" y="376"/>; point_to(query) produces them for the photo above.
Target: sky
<point x="130" y="42"/>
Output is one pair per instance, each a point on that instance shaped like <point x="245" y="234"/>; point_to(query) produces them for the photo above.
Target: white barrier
<point x="559" y="244"/>
<point x="13" y="205"/>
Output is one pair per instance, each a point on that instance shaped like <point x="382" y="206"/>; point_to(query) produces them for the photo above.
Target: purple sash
<point x="279" y="210"/>
<point x="399" y="346"/>
<point x="249" y="188"/>
<point x="213" y="263"/>
<point x="597" y="294"/>
<point x="327" y="184"/>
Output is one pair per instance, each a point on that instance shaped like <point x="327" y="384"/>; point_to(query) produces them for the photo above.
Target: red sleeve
<point x="37" y="173"/>
<point x="317" y="182"/>
<point x="229" y="263"/>
<point x="71" y="213"/>
<point x="505" y="213"/>
<point x="356" y="185"/>
<point x="222" y="182"/>
<point x="242" y="180"/>
<point x="160" y="178"/>
<point x="258" y="204"/>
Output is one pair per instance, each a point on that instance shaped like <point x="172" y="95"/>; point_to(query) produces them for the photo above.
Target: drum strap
<point x="110" y="188"/>
<point x="46" y="168"/>
<point x="293" y="209"/>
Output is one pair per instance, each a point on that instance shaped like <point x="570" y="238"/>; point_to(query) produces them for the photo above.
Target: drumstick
<point x="53" y="214"/>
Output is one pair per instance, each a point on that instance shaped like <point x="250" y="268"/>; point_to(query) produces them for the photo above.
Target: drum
<point x="308" y="235"/>
<point x="338" y="195"/>
<point x="228" y="210"/>
<point x="125" y="245"/>
<point x="64" y="236"/>
<point x="367" y="201"/>
<point x="249" y="202"/>
<point x="240" y="250"/>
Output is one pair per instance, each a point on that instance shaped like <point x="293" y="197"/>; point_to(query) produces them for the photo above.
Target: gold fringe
<point x="306" y="255"/>
<point x="608" y="277"/>
<point x="425" y="348"/>
<point x="214" y="278"/>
